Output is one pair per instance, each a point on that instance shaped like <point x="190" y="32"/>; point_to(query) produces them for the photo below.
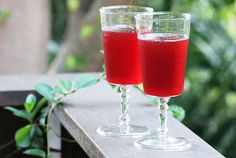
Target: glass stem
<point x="163" y="118"/>
<point x="124" y="117"/>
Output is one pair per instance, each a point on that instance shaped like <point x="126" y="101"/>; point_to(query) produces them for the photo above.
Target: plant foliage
<point x="30" y="137"/>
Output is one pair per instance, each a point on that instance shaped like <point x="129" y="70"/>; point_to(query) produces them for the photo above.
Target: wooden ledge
<point x="82" y="113"/>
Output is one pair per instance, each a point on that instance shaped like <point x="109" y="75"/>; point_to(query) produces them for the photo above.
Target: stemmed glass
<point x="122" y="63"/>
<point x="163" y="42"/>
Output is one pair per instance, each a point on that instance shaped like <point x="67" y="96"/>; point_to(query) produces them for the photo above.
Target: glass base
<point x="171" y="144"/>
<point x="123" y="131"/>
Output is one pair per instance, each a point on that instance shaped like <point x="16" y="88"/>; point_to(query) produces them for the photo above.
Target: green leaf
<point x="20" y="113"/>
<point x="67" y="84"/>
<point x="32" y="132"/>
<point x="73" y="5"/>
<point x="35" y="152"/>
<point x="104" y="68"/>
<point x="39" y="143"/>
<point x="118" y="88"/>
<point x="104" y="72"/>
<point x="22" y="136"/>
<point x="177" y="111"/>
<point x="154" y="100"/>
<point x="39" y="106"/>
<point x="42" y="121"/>
<point x="30" y="102"/>
<point x="45" y="90"/>
<point x="5" y="15"/>
<point x="86" y="80"/>
<point x="75" y="62"/>
<point x="35" y="144"/>
<point x="58" y="90"/>
<point x="113" y="86"/>
<point x="43" y="116"/>
<point x="86" y="31"/>
<point x="38" y="131"/>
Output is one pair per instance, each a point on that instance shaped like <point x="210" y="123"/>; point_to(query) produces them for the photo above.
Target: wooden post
<point x="24" y="37"/>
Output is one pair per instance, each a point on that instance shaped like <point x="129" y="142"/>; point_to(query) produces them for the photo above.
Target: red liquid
<point x="122" y="58"/>
<point x="163" y="60"/>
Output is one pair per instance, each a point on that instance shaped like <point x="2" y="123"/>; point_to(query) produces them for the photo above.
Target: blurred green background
<point x="210" y="90"/>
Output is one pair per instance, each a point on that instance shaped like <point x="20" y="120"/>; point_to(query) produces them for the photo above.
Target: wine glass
<point x="122" y="63"/>
<point x="163" y="43"/>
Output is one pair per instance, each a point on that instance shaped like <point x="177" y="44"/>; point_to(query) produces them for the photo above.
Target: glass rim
<point x="107" y="11"/>
<point x="185" y="16"/>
